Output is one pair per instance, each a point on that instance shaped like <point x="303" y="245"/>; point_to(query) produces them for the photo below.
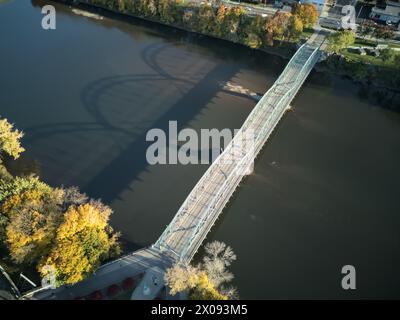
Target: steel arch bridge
<point x="198" y="213"/>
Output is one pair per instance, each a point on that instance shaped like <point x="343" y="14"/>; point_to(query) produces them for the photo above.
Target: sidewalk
<point x="111" y="273"/>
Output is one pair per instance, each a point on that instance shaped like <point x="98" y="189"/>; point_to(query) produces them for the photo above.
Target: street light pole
<point x="13" y="286"/>
<point x="359" y="12"/>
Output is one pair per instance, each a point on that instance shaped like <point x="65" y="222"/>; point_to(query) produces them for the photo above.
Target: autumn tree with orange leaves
<point x="47" y="227"/>
<point x="307" y="13"/>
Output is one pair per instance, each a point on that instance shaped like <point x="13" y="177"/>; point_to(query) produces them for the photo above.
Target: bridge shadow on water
<point x="108" y="98"/>
<point x="131" y="161"/>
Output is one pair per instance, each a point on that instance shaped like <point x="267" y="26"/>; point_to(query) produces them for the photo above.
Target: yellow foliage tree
<point x="33" y="217"/>
<point x="83" y="240"/>
<point x="253" y="41"/>
<point x="276" y="26"/>
<point x="187" y="278"/>
<point x="57" y="228"/>
<point x="10" y="139"/>
<point x="295" y="27"/>
<point x="77" y="219"/>
<point x="307" y="13"/>
<point x="205" y="290"/>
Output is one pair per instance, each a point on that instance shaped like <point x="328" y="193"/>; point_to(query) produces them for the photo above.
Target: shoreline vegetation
<point x="375" y="66"/>
<point x="278" y="35"/>
<point x="209" y="279"/>
<point x="214" y="19"/>
<point x="63" y="236"/>
<point x="55" y="233"/>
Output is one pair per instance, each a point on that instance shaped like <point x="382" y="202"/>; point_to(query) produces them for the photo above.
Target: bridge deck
<point x="188" y="229"/>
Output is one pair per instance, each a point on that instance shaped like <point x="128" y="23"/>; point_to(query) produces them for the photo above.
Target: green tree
<point x="18" y="185"/>
<point x="165" y="12"/>
<point x="147" y="8"/>
<point x="397" y="61"/>
<point x="232" y="23"/>
<point x="121" y="5"/>
<point x="253" y="41"/>
<point x="340" y="40"/>
<point x="387" y="55"/>
<point x="358" y="70"/>
<point x="206" y="22"/>
<point x="295" y="28"/>
<point x="252" y="31"/>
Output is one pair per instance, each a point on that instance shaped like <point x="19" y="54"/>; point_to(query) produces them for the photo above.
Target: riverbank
<point x="377" y="83"/>
<point x="231" y="24"/>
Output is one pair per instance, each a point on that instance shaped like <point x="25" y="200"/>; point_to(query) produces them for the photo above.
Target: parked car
<point x="330" y="23"/>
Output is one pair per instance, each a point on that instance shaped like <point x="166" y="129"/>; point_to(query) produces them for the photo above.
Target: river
<point x="325" y="191"/>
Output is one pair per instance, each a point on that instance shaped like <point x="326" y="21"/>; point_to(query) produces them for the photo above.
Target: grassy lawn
<point x="372" y="43"/>
<point x="394" y="45"/>
<point x="364" y="42"/>
<point x="367" y="59"/>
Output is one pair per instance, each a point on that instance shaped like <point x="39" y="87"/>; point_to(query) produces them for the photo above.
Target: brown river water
<point x="325" y="191"/>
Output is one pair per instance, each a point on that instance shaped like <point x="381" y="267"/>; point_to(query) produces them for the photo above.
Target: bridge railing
<point x="258" y="108"/>
<point x="285" y="100"/>
<point x="189" y="200"/>
<point x="240" y="167"/>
